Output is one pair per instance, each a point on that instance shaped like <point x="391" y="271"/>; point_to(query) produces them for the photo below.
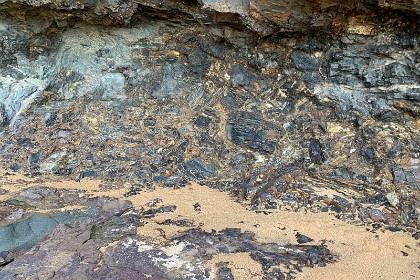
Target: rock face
<point x="368" y="46"/>
<point x="266" y="99"/>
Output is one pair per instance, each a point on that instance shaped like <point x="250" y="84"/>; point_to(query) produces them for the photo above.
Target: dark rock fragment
<point x="3" y="115"/>
<point x="409" y="176"/>
<point x="376" y="215"/>
<point x="394" y="229"/>
<point x="315" y="42"/>
<point x="304" y="61"/>
<point x="35" y="157"/>
<point x="206" y="139"/>
<point x="64" y="171"/>
<point x="153" y="202"/>
<point x="270" y="205"/>
<point x="198" y="61"/>
<point x="7" y="59"/>
<point x="368" y="153"/>
<point x="14" y="167"/>
<point x="173" y="181"/>
<point x="202" y="121"/>
<point x="398" y="175"/>
<point x="169" y="86"/>
<point x="180" y="150"/>
<point x="397" y="73"/>
<point x="88" y="174"/>
<point x="89" y="156"/>
<point x="301" y="239"/>
<point x="276" y="274"/>
<point x="197" y="206"/>
<point x="50" y="118"/>
<point x="268" y="255"/>
<point x="198" y="169"/>
<point x="342" y="201"/>
<point x="133" y="191"/>
<point x="408" y="214"/>
<point x="336" y="209"/>
<point x="377" y="199"/>
<point x="25" y="142"/>
<point x="179" y="223"/>
<point x="224" y="273"/>
<point x="383" y="112"/>
<point x="152" y="212"/>
<point x="210" y="47"/>
<point x="240" y="76"/>
<point x="247" y="129"/>
<point x="316" y="152"/>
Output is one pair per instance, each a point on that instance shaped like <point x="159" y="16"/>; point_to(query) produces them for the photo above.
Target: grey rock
<point x="169" y="86"/>
<point x="198" y="169"/>
<point x="202" y="121"/>
<point x="342" y="201"/>
<point x="408" y="214"/>
<point x="376" y="215"/>
<point x="116" y="207"/>
<point x="3" y="116"/>
<point x="302" y="239"/>
<point x="410" y="176"/>
<point x="368" y="153"/>
<point x="224" y="273"/>
<point x="113" y="86"/>
<point x="240" y="7"/>
<point x="14" y="167"/>
<point x="240" y="76"/>
<point x="88" y="174"/>
<point x="68" y="246"/>
<point x="25" y="234"/>
<point x="304" y="61"/>
<point x="50" y="119"/>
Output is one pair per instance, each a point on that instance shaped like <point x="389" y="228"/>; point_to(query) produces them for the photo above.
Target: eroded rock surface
<point x="285" y="104"/>
<point x="99" y="239"/>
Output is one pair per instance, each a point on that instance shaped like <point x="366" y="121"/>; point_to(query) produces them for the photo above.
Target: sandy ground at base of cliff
<point x="359" y="254"/>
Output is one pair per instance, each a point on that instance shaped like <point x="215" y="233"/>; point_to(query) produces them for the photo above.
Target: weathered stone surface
<point x="274" y="101"/>
<point x="376" y="70"/>
<point x="251" y="131"/>
<point x="102" y="241"/>
<point x="3" y="116"/>
<point x="316" y="152"/>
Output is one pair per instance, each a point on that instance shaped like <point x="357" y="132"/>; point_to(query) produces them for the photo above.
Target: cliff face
<point x="368" y="45"/>
<point x="365" y="51"/>
<point x="271" y="100"/>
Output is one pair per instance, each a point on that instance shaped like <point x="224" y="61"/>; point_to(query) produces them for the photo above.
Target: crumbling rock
<point x="251" y="131"/>
<point x="270" y="100"/>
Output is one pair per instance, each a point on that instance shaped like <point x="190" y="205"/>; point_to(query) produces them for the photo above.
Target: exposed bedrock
<point x="361" y="56"/>
<point x="257" y="97"/>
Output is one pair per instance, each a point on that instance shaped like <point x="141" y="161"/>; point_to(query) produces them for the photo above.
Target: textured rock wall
<point x="253" y="97"/>
<point x="371" y="47"/>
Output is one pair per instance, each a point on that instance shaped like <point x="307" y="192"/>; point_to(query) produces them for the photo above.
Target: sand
<point x="360" y="254"/>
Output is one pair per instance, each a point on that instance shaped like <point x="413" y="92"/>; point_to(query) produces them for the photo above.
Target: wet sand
<point x="359" y="254"/>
